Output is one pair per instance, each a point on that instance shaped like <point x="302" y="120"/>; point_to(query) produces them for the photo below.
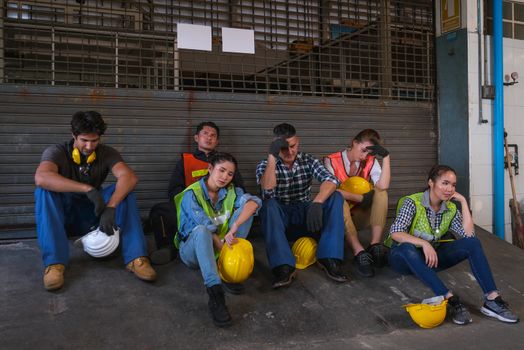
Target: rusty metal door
<point x="151" y="129"/>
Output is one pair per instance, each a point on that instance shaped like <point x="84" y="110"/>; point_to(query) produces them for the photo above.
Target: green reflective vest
<point x="220" y="218"/>
<point x="420" y="227"/>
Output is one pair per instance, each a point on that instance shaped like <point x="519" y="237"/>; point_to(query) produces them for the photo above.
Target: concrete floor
<point x="104" y="307"/>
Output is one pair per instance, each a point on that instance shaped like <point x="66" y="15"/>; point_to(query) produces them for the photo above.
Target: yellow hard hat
<point x="356" y="185"/>
<point x="427" y="316"/>
<point x="305" y="251"/>
<point x="235" y="263"/>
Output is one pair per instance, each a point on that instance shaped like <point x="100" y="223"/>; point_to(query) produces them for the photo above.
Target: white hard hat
<point x="97" y="244"/>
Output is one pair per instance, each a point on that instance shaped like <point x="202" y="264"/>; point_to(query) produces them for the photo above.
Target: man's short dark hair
<point x="89" y="122"/>
<point x="210" y="124"/>
<point x="284" y="130"/>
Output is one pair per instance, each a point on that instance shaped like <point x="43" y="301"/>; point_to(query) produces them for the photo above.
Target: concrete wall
<point x="480" y="135"/>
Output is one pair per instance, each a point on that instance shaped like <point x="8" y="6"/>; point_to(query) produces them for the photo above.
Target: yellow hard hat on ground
<point x="426" y="315"/>
<point x="305" y="251"/>
<point x="235" y="263"/>
<point x="356" y="185"/>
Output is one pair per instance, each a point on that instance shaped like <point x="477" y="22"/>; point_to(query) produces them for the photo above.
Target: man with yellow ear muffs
<point x="70" y="200"/>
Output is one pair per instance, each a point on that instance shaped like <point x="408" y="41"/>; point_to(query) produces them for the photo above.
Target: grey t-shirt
<point x="95" y="173"/>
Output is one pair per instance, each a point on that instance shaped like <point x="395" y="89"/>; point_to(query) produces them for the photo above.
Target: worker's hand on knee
<point x="96" y="198"/>
<point x="367" y="199"/>
<point x="107" y="221"/>
<point x="314" y="217"/>
<point x="430" y="255"/>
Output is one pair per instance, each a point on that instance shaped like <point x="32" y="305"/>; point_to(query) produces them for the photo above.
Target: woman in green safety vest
<point x="212" y="212"/>
<point x="418" y="245"/>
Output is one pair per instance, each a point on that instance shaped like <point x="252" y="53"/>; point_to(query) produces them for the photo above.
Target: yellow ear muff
<point x="76" y="156"/>
<point x="91" y="158"/>
<point x="78" y="159"/>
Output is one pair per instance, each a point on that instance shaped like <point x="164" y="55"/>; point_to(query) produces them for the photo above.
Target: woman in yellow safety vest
<point x="418" y="245"/>
<point x="212" y="212"/>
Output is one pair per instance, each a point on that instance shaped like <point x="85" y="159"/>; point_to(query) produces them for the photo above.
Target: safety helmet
<point x="305" y="251"/>
<point x="426" y="315"/>
<point x="356" y="185"/>
<point x="97" y="244"/>
<point x="235" y="263"/>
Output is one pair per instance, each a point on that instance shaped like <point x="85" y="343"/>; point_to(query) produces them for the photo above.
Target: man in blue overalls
<point x="69" y="199"/>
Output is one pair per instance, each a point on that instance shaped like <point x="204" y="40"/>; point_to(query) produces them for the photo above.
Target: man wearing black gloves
<point x="189" y="169"/>
<point x="370" y="209"/>
<point x="288" y="213"/>
<point x="69" y="199"/>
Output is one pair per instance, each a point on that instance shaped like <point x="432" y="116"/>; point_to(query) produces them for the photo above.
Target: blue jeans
<point x="283" y="222"/>
<point x="407" y="259"/>
<point x="59" y="214"/>
<point x="197" y="251"/>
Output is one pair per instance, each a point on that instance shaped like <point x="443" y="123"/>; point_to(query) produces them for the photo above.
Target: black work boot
<point x="283" y="275"/>
<point x="379" y="253"/>
<point x="364" y="261"/>
<point x="217" y="306"/>
<point x="333" y="269"/>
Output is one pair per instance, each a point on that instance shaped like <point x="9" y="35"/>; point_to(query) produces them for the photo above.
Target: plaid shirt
<point x="294" y="185"/>
<point x="407" y="212"/>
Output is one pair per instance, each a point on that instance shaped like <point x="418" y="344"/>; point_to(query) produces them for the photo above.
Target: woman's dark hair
<point x="89" y="122"/>
<point x="370" y="135"/>
<point x="221" y="157"/>
<point x="284" y="131"/>
<point x="436" y="172"/>
<point x="210" y="124"/>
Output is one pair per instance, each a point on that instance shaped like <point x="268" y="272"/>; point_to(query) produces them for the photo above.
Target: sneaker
<point x="379" y="254"/>
<point x="283" y="276"/>
<point x="142" y="269"/>
<point x="364" y="261"/>
<point x="163" y="255"/>
<point x="499" y="309"/>
<point x="54" y="276"/>
<point x="233" y="288"/>
<point x="217" y="306"/>
<point x="332" y="269"/>
<point x="458" y="312"/>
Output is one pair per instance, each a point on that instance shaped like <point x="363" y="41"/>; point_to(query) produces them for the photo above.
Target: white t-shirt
<point x="376" y="170"/>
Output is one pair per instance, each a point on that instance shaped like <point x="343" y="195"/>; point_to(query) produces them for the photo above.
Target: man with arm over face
<point x="288" y="212"/>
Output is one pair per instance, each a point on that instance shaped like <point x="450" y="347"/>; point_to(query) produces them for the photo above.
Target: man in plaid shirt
<point x="288" y="213"/>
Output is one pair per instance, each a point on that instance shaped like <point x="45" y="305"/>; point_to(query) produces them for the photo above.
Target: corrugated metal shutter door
<point x="151" y="129"/>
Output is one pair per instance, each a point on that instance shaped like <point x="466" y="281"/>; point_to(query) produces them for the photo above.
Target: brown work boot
<point x="142" y="269"/>
<point x="54" y="276"/>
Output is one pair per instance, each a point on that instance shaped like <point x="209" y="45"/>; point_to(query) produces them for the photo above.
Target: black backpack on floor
<point x="162" y="218"/>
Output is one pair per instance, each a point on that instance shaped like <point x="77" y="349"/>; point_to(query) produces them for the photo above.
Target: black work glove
<point x="277" y="145"/>
<point x="378" y="150"/>
<point x="314" y="217"/>
<point x="367" y="199"/>
<point x="96" y="198"/>
<point x="107" y="221"/>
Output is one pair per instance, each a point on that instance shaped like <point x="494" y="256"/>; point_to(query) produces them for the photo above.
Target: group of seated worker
<point x="208" y="209"/>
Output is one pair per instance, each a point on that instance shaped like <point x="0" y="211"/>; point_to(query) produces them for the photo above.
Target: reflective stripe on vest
<point x="420" y="226"/>
<point x="337" y="162"/>
<point x="194" y="169"/>
<point x="224" y="214"/>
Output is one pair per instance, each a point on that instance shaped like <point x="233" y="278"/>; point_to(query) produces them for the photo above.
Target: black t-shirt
<point x="95" y="173"/>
